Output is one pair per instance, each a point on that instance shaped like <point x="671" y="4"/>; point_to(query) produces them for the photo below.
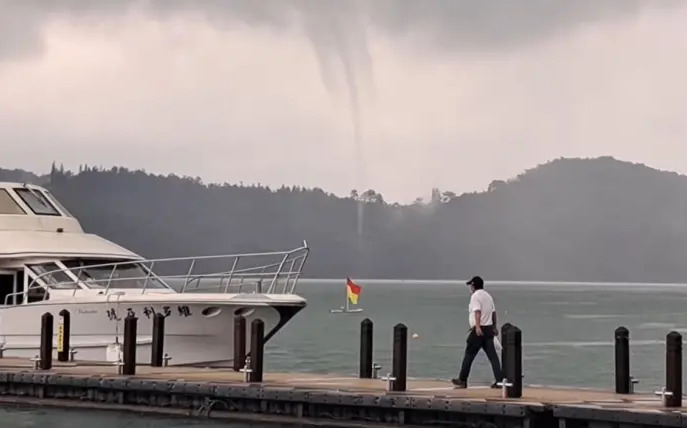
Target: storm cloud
<point x="453" y="25"/>
<point x="395" y="95"/>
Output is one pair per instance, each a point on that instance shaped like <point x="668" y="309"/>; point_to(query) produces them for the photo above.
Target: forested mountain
<point x="570" y="219"/>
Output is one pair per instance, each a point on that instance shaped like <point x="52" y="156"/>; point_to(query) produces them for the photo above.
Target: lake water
<point x="567" y="332"/>
<point x="567" y="329"/>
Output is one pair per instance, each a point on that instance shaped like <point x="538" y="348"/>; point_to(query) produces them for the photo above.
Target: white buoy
<point x="415" y="335"/>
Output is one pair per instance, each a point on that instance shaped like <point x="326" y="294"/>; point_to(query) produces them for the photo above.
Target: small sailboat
<point x="352" y="292"/>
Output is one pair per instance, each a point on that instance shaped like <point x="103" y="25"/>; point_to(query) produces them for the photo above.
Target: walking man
<point x="483" y="329"/>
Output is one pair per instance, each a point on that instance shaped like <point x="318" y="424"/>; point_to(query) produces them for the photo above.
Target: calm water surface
<point x="24" y="417"/>
<point x="567" y="334"/>
<point x="567" y="328"/>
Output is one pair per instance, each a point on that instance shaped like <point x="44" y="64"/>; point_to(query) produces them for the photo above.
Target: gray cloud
<point x="499" y="24"/>
<point x="465" y="92"/>
<point x="454" y="25"/>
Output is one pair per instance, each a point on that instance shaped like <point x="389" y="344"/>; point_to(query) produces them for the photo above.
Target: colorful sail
<point x="352" y="291"/>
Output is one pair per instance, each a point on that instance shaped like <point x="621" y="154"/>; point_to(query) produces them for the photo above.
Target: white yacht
<point x="48" y="263"/>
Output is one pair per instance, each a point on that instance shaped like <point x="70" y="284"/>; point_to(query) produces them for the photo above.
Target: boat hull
<point x="196" y="333"/>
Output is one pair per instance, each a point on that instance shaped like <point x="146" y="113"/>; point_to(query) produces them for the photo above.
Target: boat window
<point x="9" y="205"/>
<point x="37" y="201"/>
<point x="57" y="203"/>
<point x="53" y="276"/>
<point x="97" y="273"/>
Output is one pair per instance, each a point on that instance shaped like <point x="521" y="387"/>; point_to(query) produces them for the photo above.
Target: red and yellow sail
<point x="352" y="291"/>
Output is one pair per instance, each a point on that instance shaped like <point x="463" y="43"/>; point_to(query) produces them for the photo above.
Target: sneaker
<point x="459" y="383"/>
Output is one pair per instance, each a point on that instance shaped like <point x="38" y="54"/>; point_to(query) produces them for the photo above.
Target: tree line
<point x="569" y="219"/>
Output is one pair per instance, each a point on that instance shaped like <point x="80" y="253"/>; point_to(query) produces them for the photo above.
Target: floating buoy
<point x="415" y="335"/>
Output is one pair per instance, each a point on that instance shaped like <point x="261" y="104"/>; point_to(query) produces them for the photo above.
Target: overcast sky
<point x="396" y="95"/>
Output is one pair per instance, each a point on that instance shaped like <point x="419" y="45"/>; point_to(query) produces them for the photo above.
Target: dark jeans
<point x="474" y="344"/>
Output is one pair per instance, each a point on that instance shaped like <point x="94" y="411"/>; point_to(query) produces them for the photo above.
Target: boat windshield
<point x="53" y="276"/>
<point x="127" y="275"/>
<point x="37" y="201"/>
<point x="9" y="205"/>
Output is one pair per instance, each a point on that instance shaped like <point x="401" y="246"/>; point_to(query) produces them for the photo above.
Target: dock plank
<point x="333" y="382"/>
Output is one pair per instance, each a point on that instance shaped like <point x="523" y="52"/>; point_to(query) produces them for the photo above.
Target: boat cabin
<point x="45" y="254"/>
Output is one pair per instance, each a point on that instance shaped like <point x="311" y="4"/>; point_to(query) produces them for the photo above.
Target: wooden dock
<point x="328" y="399"/>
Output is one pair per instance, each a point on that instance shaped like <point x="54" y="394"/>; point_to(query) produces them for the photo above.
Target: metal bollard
<point x="129" y="351"/>
<point x="390" y="382"/>
<point x="166" y="359"/>
<point x="633" y="382"/>
<point x="504" y="384"/>
<point x="257" y="347"/>
<point x="246" y="370"/>
<point x="366" y="366"/>
<point x="672" y="392"/>
<point x="72" y="352"/>
<point x="239" y="341"/>
<point x="375" y="370"/>
<point x="158" y="344"/>
<point x="63" y="335"/>
<point x="623" y="383"/>
<point x="45" y="362"/>
<point x="513" y="363"/>
<point x="36" y="362"/>
<point x="2" y="350"/>
<point x="400" y="357"/>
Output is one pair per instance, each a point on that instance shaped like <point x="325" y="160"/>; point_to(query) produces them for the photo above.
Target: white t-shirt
<point x="483" y="302"/>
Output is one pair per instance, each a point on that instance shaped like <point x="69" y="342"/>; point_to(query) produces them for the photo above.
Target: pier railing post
<point x="158" y="345"/>
<point x="257" y="344"/>
<point x="673" y="393"/>
<point x="622" y="361"/>
<point x="400" y="358"/>
<point x="129" y="367"/>
<point x="45" y="362"/>
<point x="366" y="349"/>
<point x="513" y="364"/>
<point x="239" y="342"/>
<point x="63" y="335"/>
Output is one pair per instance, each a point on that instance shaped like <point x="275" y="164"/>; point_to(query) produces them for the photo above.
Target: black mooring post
<point x="400" y="358"/>
<point x="366" y="349"/>
<point x="239" y="342"/>
<point x="674" y="369"/>
<point x="257" y="339"/>
<point x="158" y="345"/>
<point x="513" y="364"/>
<point x="504" y="348"/>
<point x="63" y="333"/>
<point x="45" y="362"/>
<point x="622" y="361"/>
<point x="129" y="368"/>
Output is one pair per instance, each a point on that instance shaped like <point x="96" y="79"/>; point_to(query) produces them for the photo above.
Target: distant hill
<point x="570" y="219"/>
<point x="21" y="176"/>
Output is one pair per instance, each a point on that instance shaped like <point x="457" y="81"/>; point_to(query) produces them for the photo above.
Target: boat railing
<point x="263" y="273"/>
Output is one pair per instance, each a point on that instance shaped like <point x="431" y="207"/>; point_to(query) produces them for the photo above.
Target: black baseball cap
<point x="476" y="281"/>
